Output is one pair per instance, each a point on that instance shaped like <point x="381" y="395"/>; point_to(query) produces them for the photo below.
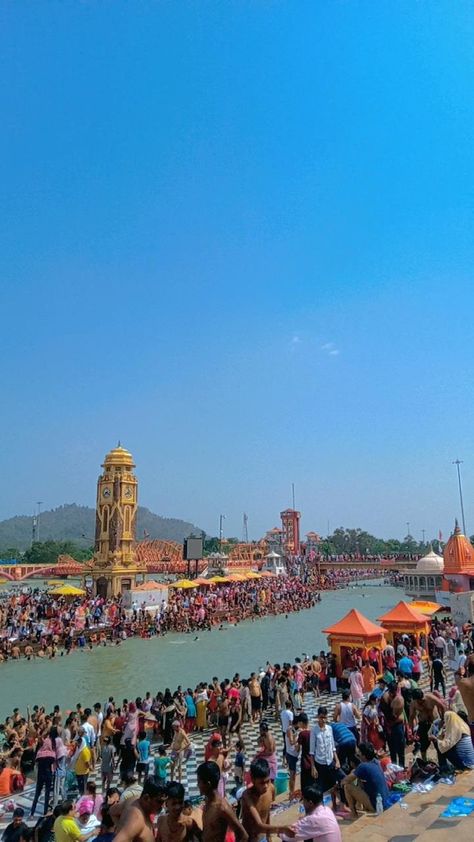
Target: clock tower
<point x="114" y="567"/>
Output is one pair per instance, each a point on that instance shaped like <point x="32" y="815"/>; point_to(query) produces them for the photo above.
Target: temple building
<point x="458" y="563"/>
<point x="115" y="568"/>
<point x="427" y="578"/>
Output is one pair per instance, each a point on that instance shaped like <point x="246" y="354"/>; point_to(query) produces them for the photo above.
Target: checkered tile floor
<point x="249" y="734"/>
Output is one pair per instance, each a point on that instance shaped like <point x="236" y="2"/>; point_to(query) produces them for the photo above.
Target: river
<point x="139" y="665"/>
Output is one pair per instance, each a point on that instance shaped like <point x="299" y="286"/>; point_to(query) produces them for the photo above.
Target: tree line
<point x="341" y="541"/>
<point x="47" y="552"/>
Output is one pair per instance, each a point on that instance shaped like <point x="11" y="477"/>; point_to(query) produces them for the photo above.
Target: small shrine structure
<point x="356" y="637"/>
<point x="402" y="620"/>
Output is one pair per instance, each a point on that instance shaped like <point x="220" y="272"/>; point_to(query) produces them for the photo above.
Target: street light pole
<point x="39" y="504"/>
<point x="459" y="462"/>
<point x="221" y="531"/>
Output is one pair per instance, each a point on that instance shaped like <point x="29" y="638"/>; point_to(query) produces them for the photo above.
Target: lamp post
<point x="459" y="462"/>
<point x="39" y="504"/>
<point x="221" y="531"/>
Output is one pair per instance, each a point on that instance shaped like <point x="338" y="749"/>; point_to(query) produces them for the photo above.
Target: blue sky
<point x="239" y="237"/>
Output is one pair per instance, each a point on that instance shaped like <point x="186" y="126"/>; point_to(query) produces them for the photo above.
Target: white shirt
<point x="90" y="733"/>
<point x="321" y="744"/>
<point x="286" y="719"/>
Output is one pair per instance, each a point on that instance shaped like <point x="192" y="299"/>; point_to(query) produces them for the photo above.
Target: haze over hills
<point x="71" y="522"/>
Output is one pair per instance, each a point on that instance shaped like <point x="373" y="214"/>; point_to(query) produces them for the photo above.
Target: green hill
<point x="77" y="523"/>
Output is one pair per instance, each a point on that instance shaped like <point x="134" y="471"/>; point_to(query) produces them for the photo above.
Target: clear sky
<point x="239" y="237"/>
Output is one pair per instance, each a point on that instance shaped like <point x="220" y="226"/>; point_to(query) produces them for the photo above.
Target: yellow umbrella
<point x="68" y="590"/>
<point x="252" y="575"/>
<point x="219" y="579"/>
<point x="183" y="583"/>
<point x="237" y="577"/>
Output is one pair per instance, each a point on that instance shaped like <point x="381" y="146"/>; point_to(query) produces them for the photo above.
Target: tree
<point x="48" y="552"/>
<point x="10" y="554"/>
<point x="359" y="542"/>
<point x="211" y="545"/>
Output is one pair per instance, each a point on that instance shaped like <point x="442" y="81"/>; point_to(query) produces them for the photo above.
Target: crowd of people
<point x="37" y="623"/>
<point x="142" y="747"/>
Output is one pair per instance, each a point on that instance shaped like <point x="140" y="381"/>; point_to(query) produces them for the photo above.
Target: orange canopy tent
<point x="355" y="635"/>
<point x="404" y="619"/>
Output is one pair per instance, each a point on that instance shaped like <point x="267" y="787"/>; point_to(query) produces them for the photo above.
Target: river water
<point x="139" y="665"/>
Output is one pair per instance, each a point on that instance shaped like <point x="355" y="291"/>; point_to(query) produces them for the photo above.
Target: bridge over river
<point x="67" y="566"/>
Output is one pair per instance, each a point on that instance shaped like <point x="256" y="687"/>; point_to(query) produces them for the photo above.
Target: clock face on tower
<point x="106" y="493"/>
<point x="128" y="492"/>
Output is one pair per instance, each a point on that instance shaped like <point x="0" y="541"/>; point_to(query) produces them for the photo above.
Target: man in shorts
<point x="180" y="745"/>
<point x="255" y="697"/>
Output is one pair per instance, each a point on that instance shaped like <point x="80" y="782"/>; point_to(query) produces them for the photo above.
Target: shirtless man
<point x="314" y="675"/>
<point x="217" y="816"/>
<point x="424" y="709"/>
<point x="223" y="712"/>
<point x="175" y="826"/>
<point x="466" y="688"/>
<point x="134" y="822"/>
<point x="256" y="803"/>
<point x="179" y="744"/>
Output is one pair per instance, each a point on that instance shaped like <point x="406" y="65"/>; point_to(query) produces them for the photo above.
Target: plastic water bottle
<point x="378" y="805"/>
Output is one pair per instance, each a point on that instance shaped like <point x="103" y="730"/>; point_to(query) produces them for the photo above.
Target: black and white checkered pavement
<point x="249" y="731"/>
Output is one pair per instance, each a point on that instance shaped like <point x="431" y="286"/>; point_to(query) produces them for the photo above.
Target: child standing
<point x="162" y="762"/>
<point x="143" y="747"/>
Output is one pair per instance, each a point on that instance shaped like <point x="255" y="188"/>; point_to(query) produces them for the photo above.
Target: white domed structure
<point x="427" y="577"/>
<point x="430" y="563"/>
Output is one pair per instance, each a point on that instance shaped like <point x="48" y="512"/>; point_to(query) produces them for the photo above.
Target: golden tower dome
<point x="118" y="456"/>
<point x="458" y="553"/>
